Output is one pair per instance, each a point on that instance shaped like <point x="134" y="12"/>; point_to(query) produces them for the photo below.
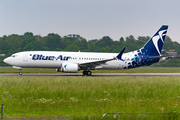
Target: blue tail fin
<point x="154" y="46"/>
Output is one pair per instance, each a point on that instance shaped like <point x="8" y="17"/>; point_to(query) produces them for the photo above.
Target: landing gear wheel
<point x="88" y="73"/>
<point x="20" y="73"/>
<point x="84" y="72"/>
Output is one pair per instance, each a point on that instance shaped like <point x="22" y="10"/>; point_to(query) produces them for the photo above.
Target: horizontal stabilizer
<point x="156" y="57"/>
<point x="120" y="55"/>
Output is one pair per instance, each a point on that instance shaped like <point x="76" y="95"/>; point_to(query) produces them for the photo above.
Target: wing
<point x="99" y="62"/>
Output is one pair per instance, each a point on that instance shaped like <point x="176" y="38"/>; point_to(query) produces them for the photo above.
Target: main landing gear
<point x="88" y="73"/>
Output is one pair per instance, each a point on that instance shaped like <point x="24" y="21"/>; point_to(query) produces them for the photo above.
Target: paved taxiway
<point x="93" y="74"/>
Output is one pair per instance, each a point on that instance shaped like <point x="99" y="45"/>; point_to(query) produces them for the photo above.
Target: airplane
<point x="74" y="61"/>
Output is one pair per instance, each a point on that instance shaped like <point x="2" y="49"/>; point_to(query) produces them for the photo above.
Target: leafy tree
<point x="105" y="41"/>
<point x="92" y="45"/>
<point x="39" y="43"/>
<point x="26" y="39"/>
<point x="121" y="39"/>
<point x="168" y="44"/>
<point x="29" y="46"/>
<point x="53" y="41"/>
<point x="72" y="47"/>
<point x="131" y="43"/>
<point x="141" y="40"/>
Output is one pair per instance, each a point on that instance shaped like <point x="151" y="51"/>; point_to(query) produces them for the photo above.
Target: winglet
<point x="120" y="54"/>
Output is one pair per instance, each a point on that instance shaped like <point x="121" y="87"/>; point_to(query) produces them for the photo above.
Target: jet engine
<point x="68" y="67"/>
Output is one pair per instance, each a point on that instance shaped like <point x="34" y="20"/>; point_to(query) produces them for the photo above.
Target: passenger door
<point x="25" y="57"/>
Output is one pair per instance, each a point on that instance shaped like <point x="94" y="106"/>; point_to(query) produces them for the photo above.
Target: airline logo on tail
<point x="159" y="37"/>
<point x="155" y="44"/>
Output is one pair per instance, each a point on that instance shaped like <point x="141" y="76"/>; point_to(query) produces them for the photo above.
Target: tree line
<point x="54" y="42"/>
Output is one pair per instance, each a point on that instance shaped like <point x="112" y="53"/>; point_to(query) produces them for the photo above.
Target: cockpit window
<point x="13" y="56"/>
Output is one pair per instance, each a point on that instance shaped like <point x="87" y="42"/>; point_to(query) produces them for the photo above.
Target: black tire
<point x="20" y="73"/>
<point x="84" y="72"/>
<point x="89" y="73"/>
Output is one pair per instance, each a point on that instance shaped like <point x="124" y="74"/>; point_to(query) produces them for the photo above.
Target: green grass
<point x="88" y="96"/>
<point x="135" y="70"/>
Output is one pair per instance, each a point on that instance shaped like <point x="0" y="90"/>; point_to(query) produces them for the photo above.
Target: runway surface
<point x="93" y="74"/>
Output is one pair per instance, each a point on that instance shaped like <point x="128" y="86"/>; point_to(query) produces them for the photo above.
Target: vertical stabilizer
<point x="154" y="46"/>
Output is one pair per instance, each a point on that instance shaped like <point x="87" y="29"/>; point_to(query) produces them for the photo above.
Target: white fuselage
<point x="52" y="59"/>
<point x="83" y="60"/>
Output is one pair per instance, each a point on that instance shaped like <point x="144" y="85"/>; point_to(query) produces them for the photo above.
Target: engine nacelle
<point x="68" y="67"/>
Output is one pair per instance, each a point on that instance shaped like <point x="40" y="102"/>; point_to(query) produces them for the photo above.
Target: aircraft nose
<point x="7" y="60"/>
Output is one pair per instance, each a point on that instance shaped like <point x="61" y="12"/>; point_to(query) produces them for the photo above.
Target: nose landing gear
<point x="20" y="73"/>
<point x="88" y="73"/>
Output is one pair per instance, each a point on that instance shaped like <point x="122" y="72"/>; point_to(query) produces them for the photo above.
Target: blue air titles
<point x="41" y="57"/>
